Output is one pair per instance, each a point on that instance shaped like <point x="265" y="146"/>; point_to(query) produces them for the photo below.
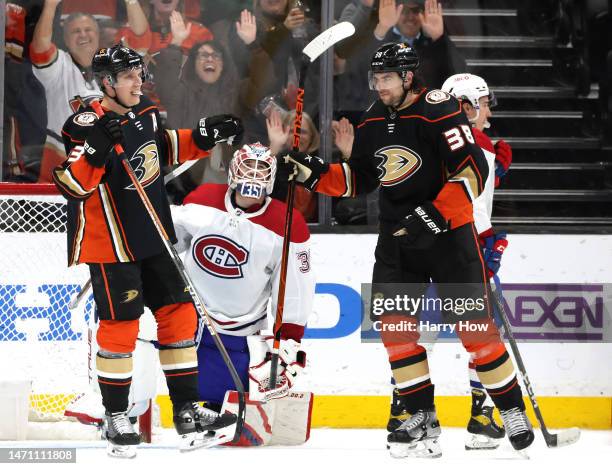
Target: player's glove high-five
<point x="309" y="168"/>
<point x="493" y="245"/>
<point x="418" y="230"/>
<point x="105" y="133"/>
<point x="218" y="129"/>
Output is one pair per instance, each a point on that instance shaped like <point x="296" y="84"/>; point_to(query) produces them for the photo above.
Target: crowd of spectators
<point x="205" y="57"/>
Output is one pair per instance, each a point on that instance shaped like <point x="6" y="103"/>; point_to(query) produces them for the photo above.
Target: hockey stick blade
<point x="176" y="172"/>
<point x="328" y="38"/>
<point x="563" y="438"/>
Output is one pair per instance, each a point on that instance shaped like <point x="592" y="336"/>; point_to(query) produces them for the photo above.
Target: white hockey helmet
<point x="252" y="171"/>
<point x="465" y="86"/>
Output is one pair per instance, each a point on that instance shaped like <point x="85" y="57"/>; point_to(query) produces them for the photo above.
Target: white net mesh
<point x="41" y="339"/>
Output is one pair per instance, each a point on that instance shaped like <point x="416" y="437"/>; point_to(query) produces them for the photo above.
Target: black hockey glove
<point x="418" y="230"/>
<point x="218" y="129"/>
<point x="309" y="168"/>
<point x="105" y="133"/>
<point x="285" y="170"/>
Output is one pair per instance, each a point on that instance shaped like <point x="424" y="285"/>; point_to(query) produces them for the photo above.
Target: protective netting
<point x="41" y="339"/>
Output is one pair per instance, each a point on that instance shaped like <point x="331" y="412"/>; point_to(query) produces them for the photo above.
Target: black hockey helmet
<point x="108" y="62"/>
<point x="394" y="57"/>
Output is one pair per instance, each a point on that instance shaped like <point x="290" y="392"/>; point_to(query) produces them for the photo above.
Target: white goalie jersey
<point x="234" y="259"/>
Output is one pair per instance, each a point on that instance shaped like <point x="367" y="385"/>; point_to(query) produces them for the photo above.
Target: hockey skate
<point x="121" y="436"/>
<point x="398" y="412"/>
<point x="483" y="430"/>
<point x="200" y="427"/>
<point x="417" y="436"/>
<point x="518" y="427"/>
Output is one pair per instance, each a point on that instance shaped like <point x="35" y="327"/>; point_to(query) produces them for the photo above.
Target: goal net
<point x="41" y="339"/>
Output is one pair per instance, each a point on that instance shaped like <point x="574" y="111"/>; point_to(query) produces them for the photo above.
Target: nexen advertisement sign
<point x="537" y="312"/>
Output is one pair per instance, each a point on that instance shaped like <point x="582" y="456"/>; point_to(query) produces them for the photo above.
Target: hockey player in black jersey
<point x="417" y="146"/>
<point x="110" y="230"/>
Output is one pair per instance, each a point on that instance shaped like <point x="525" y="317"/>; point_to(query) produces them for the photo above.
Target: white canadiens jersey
<point x="234" y="258"/>
<point x="483" y="205"/>
<point x="63" y="82"/>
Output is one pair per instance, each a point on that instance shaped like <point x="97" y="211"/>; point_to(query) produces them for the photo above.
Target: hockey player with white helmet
<point x="477" y="100"/>
<point x="232" y="236"/>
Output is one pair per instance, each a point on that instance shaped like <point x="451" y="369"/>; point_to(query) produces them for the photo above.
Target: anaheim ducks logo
<point x="398" y="163"/>
<point x="145" y="163"/>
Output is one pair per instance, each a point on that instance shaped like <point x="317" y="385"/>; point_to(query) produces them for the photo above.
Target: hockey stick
<point x="176" y="172"/>
<point x="553" y="440"/>
<point x="310" y="53"/>
<point x="199" y="305"/>
<point x="79" y="297"/>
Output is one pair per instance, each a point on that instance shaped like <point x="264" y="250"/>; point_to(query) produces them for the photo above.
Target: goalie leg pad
<point x="214" y="377"/>
<point x="284" y="421"/>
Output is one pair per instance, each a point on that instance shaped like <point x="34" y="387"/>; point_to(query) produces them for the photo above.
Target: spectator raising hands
<point x="388" y="15"/>
<point x="151" y="32"/>
<point x="180" y="31"/>
<point x="432" y="22"/>
<point x="63" y="74"/>
<point x="277" y="132"/>
<point x="344" y="134"/>
<point x="246" y="27"/>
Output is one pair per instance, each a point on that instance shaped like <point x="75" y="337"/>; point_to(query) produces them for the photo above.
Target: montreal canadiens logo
<point x="398" y="164"/>
<point x="220" y="256"/>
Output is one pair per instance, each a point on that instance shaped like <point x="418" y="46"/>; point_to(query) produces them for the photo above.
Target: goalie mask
<point x="468" y="87"/>
<point x="252" y="171"/>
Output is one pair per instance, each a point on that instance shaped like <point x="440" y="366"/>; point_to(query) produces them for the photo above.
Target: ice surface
<point x="348" y="449"/>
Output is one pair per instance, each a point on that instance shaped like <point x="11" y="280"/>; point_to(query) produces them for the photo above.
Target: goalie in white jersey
<point x="233" y="237"/>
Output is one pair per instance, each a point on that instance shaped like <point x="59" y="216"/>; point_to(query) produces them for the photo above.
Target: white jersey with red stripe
<point x="63" y="81"/>
<point x="483" y="204"/>
<point x="234" y="257"/>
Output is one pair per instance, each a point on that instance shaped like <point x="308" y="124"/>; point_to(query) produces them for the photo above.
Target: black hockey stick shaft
<point x="280" y="304"/>
<point x="199" y="305"/>
<point x="548" y="437"/>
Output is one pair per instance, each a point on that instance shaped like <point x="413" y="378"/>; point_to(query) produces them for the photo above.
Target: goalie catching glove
<point x="418" y="229"/>
<point x="217" y="129"/>
<point x="308" y="168"/>
<point x="291" y="363"/>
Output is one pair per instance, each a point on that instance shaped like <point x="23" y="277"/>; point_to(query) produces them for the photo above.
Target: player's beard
<point x="391" y="99"/>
